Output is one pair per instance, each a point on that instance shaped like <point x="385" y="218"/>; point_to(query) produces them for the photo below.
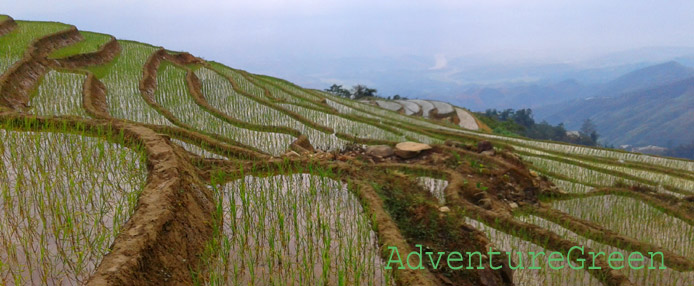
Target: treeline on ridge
<point x="510" y="122"/>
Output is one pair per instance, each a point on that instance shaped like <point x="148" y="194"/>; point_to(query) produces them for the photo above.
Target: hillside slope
<point x="659" y="115"/>
<point x="543" y="96"/>
<point x="648" y="77"/>
<point x="123" y="163"/>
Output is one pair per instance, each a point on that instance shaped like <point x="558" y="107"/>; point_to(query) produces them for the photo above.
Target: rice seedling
<point x="219" y="93"/>
<point x="524" y="276"/>
<point x="91" y="43"/>
<point x="243" y="83"/>
<point x="672" y="163"/>
<point x="301" y="229"/>
<point x="436" y="186"/>
<point x="59" y="93"/>
<point x="282" y="95"/>
<point x="254" y="89"/>
<point x="64" y="199"/>
<point x="644" y="276"/>
<point x="197" y="150"/>
<point x="570" y="187"/>
<point x="633" y="218"/>
<point x="579" y="174"/>
<point x="586" y="176"/>
<point x="14" y="44"/>
<point x="343" y="125"/>
<point x="657" y="179"/>
<point x="122" y="80"/>
<point x="275" y="91"/>
<point x="415" y="136"/>
<point x="341" y="108"/>
<point x="290" y="87"/>
<point x="172" y="94"/>
<point x="388" y="115"/>
<point x="652" y="178"/>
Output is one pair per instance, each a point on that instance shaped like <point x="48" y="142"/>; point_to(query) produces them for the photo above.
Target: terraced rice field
<point x="122" y="81"/>
<point x="636" y="219"/>
<point x="64" y="200"/>
<point x="442" y="107"/>
<point x="390" y="105"/>
<point x="442" y="111"/>
<point x="173" y="96"/>
<point x="467" y="121"/>
<point x="518" y="249"/>
<point x="124" y="163"/>
<point x="59" y="93"/>
<point x="292" y="229"/>
<point x="91" y="43"/>
<point x="16" y="43"/>
<point x="643" y="277"/>
<point x="411" y="108"/>
<point x="425" y="106"/>
<point x="435" y="186"/>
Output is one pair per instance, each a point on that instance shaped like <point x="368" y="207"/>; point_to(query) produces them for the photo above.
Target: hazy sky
<point x="250" y="33"/>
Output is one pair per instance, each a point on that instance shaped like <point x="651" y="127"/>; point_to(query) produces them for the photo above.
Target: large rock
<point x="302" y="145"/>
<point x="407" y="150"/>
<point x="381" y="151"/>
<point x="291" y="154"/>
<point x="484" y="146"/>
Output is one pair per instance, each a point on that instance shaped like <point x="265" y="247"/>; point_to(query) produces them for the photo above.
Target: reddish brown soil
<point x="105" y="54"/>
<point x="7" y="26"/>
<point x="18" y="82"/>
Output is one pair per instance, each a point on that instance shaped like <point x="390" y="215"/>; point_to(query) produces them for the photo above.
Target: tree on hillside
<point x="524" y="117"/>
<point x="589" y="129"/>
<point x="338" y="90"/>
<point x="521" y="122"/>
<point x="360" y="91"/>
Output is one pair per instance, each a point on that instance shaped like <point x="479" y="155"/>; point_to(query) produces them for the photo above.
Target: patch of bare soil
<point x="20" y="80"/>
<point x="105" y="54"/>
<point x="7" y="26"/>
<point x="170" y="225"/>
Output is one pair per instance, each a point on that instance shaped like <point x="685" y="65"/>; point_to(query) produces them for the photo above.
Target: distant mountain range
<point x="476" y="82"/>
<point x="650" y="106"/>
<point x="538" y="94"/>
<point x="639" y="97"/>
